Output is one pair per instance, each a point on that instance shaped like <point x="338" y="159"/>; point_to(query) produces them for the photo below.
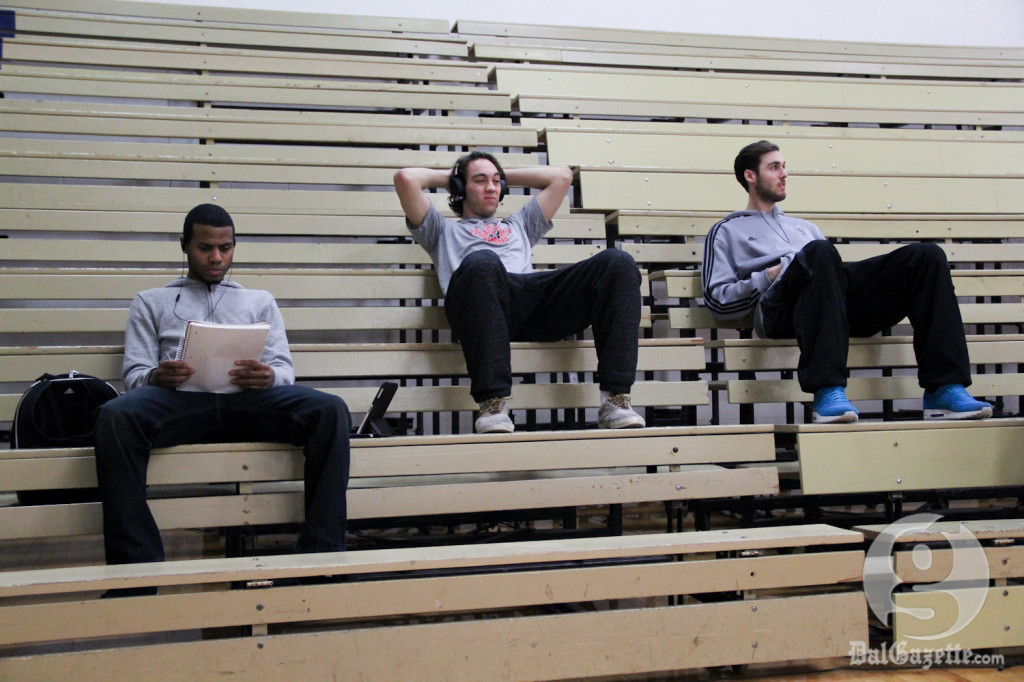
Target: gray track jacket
<point x="738" y="250"/>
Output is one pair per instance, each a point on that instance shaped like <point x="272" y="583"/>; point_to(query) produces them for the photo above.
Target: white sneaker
<point x="494" y="417"/>
<point x="617" y="413"/>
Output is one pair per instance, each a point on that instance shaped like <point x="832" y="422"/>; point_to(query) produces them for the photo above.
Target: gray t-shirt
<point x="449" y="241"/>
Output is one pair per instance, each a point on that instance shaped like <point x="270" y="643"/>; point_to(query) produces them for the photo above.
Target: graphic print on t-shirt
<point x="492" y="233"/>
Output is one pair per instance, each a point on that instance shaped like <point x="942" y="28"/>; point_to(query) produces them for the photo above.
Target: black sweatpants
<point x="821" y="302"/>
<point x="488" y="307"/>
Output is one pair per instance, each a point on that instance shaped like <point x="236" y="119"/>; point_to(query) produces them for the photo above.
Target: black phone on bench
<point x="373" y="424"/>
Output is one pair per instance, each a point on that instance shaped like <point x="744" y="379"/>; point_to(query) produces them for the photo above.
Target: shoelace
<point x="494" y="406"/>
<point x="831" y="398"/>
<point x="620" y="400"/>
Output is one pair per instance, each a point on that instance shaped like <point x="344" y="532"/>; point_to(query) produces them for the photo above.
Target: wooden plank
<point x="546" y="647"/>
<point x="871" y="457"/>
<point x="415" y="500"/>
<point x="691" y="254"/>
<point x="700" y="483"/>
<point x="426" y="399"/>
<point x="734" y="61"/>
<point x="986" y="529"/>
<point x="272" y="164"/>
<point x="66" y="321"/>
<point x="295" y="92"/>
<point x="612" y="190"/>
<point x="972" y="313"/>
<point x="248" y="224"/>
<point x="699" y="152"/>
<point x="1003" y="563"/>
<point x="189" y="171"/>
<point x="383" y="359"/>
<point x="232" y="34"/>
<point x="955" y="98"/>
<point x="287" y="284"/>
<point x="160" y="122"/>
<point x="405" y="456"/>
<point x="317" y="253"/>
<point x="410" y="560"/>
<point x="701" y="318"/>
<point x="538" y="49"/>
<point x="865" y="388"/>
<point x="758" y="355"/>
<point x="225" y="154"/>
<point x="968" y="283"/>
<point x="607" y="35"/>
<point x="171" y="200"/>
<point x="223" y="608"/>
<point x="778" y="133"/>
<point x="274" y="18"/>
<point x="36" y="49"/>
<point x="999" y="623"/>
<point x="689" y="224"/>
<point x="530" y="105"/>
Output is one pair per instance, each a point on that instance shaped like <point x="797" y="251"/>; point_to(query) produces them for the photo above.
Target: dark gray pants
<point x="487" y="308"/>
<point x="822" y="301"/>
<point x="130" y="426"/>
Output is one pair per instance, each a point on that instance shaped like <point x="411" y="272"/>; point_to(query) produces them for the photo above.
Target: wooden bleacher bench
<point x="322" y="306"/>
<point x="487" y="48"/>
<point x="237" y="90"/>
<point x="40" y="49"/>
<point x="634" y="94"/>
<point x="871" y="191"/>
<point x="765" y="48"/>
<point x="989" y="552"/>
<point x="266" y="125"/>
<point x="891" y="462"/>
<point x="753" y="596"/>
<point x="263" y="29"/>
<point x="294" y="122"/>
<point x="319" y="305"/>
<point x="116" y="11"/>
<point x="604" y="47"/>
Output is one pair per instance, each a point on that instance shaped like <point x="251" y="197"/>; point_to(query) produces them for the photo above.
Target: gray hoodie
<point x="738" y="250"/>
<point x="156" y="322"/>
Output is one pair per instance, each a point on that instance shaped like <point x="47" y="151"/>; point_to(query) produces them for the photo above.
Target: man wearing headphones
<point x="493" y="296"/>
<point x="268" y="406"/>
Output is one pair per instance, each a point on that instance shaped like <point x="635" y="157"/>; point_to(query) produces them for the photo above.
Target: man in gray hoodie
<point x="784" y="271"/>
<point x="152" y="413"/>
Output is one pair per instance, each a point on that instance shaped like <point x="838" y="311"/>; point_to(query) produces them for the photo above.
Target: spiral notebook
<point x="212" y="349"/>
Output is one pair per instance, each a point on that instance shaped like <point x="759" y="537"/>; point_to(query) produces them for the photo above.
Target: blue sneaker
<point x="832" y="407"/>
<point x="952" y="401"/>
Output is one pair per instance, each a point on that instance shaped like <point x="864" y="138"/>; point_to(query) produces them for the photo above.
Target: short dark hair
<point x="749" y="158"/>
<point x="206" y="214"/>
<point x="459" y="176"/>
